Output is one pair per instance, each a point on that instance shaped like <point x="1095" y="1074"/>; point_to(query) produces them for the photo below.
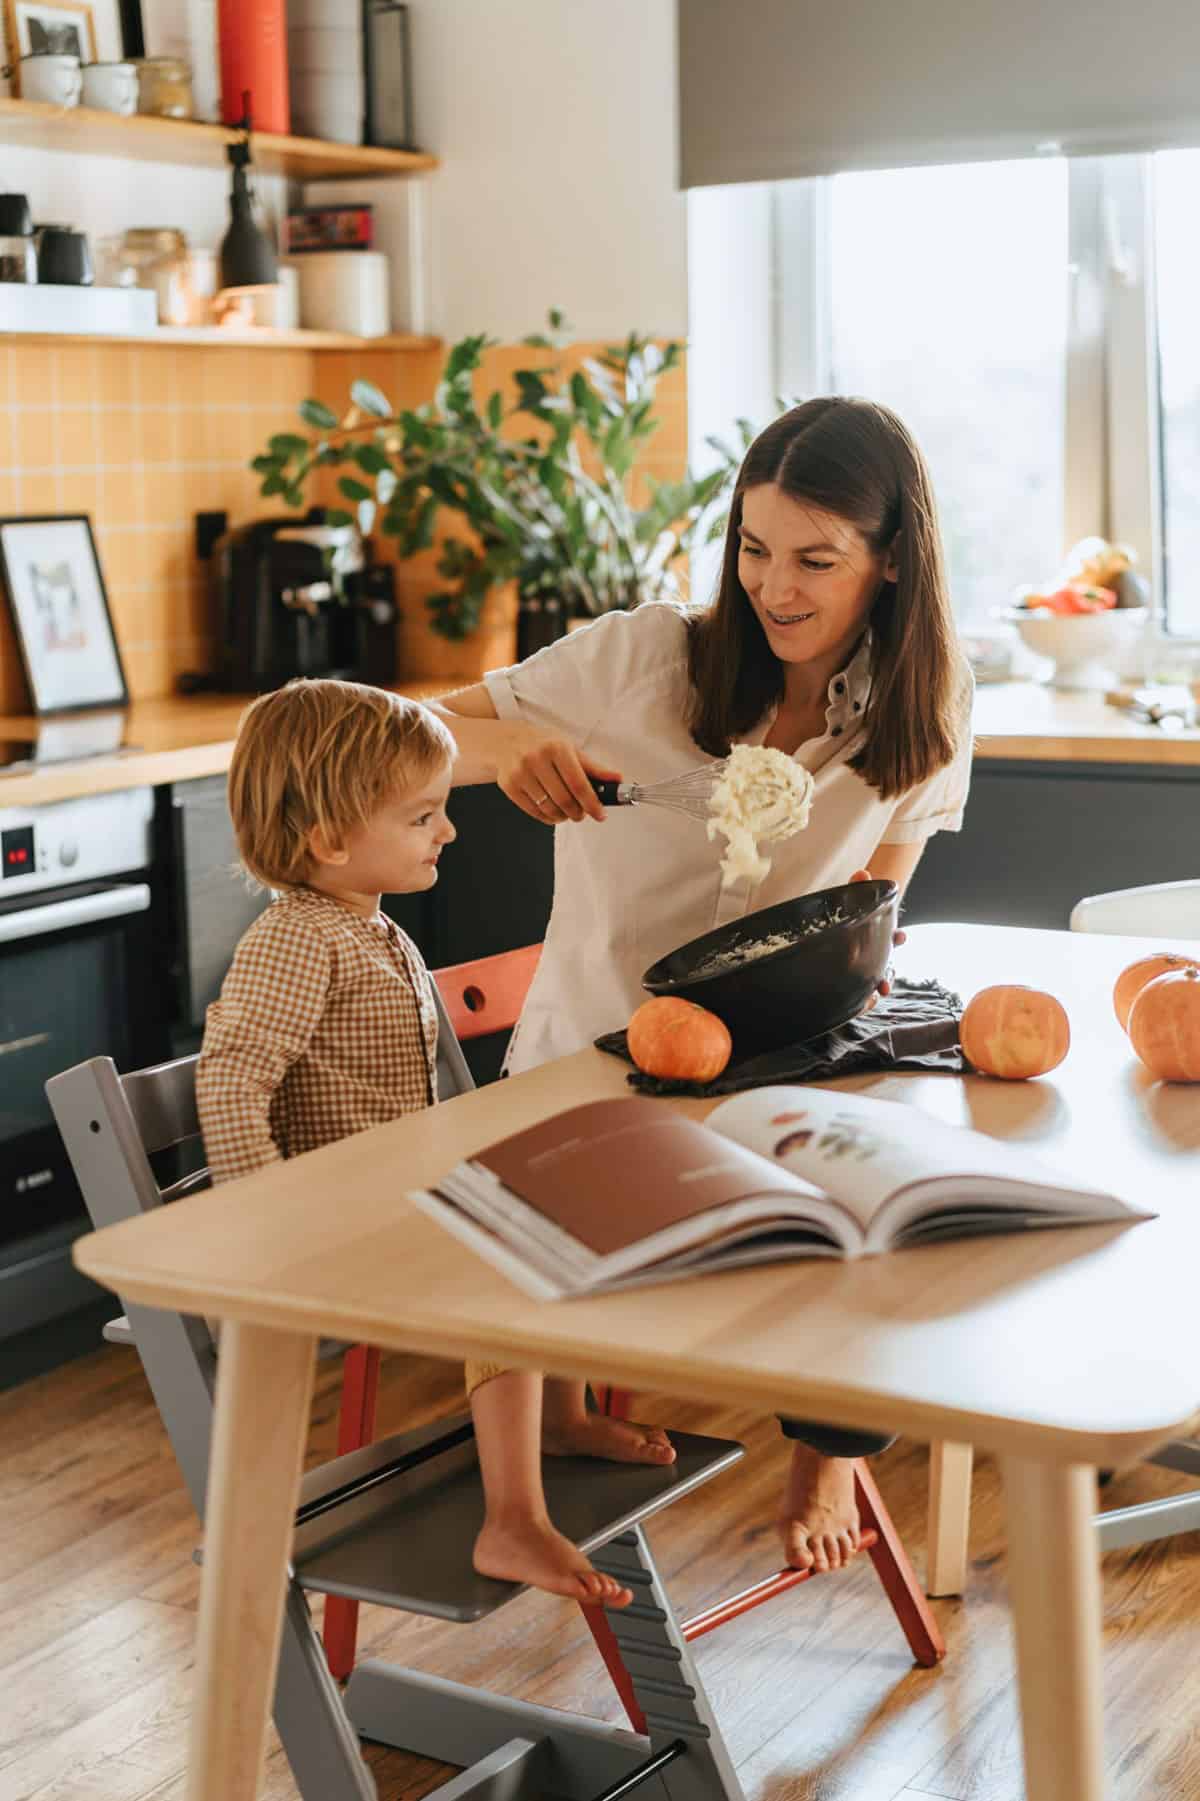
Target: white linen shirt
<point x="646" y="880"/>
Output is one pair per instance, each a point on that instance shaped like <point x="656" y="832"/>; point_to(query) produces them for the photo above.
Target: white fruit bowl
<point x="1085" y="648"/>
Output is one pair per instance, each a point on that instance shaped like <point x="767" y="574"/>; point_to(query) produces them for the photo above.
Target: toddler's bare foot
<point x="819" y="1520"/>
<point x="596" y="1435"/>
<point x="527" y="1549"/>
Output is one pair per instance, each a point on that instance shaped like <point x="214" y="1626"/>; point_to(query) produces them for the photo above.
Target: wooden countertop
<point x="1029" y="723"/>
<point x="187" y="736"/>
<point x="178" y="739"/>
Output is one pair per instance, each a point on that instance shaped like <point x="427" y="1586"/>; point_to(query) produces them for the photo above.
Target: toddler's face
<point x="397" y="850"/>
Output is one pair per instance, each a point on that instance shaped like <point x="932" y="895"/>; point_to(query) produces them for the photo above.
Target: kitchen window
<point x="1033" y="321"/>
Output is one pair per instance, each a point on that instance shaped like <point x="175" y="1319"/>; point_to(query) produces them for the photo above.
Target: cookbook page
<point x="862" y="1151"/>
<point x="613" y="1173"/>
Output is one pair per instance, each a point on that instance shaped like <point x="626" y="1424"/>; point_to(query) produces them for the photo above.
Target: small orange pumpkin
<point x="1164" y="1025"/>
<point x="1133" y="979"/>
<point x="1014" y="1032"/>
<point x="678" y="1040"/>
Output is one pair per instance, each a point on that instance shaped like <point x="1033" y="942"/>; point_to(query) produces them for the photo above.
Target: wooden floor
<point x="816" y="1694"/>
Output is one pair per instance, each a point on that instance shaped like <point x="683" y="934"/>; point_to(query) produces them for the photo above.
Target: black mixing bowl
<point x="800" y="990"/>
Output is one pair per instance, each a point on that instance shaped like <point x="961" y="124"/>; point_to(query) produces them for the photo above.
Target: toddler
<point x="326" y="1026"/>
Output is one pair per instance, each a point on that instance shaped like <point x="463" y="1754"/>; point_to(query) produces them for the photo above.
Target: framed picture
<point x="88" y="29"/>
<point x="60" y="610"/>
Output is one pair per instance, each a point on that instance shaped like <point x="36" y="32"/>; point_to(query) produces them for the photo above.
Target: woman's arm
<point x="541" y="772"/>
<point x="896" y="863"/>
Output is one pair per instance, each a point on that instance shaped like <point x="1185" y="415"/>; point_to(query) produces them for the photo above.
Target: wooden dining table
<point x="1060" y="1351"/>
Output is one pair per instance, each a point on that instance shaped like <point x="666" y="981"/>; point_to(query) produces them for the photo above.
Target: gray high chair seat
<point x="394" y="1524"/>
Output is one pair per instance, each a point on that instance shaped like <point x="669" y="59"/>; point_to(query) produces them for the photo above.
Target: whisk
<point x="690" y="793"/>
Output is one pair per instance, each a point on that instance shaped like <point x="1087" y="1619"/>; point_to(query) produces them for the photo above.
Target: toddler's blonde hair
<point x="323" y="754"/>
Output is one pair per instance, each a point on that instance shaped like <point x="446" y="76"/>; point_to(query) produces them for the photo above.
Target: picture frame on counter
<point x="51" y="573"/>
<point x="88" y="29"/>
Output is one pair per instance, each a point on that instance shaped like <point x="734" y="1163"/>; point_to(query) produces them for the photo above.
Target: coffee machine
<point x="299" y="597"/>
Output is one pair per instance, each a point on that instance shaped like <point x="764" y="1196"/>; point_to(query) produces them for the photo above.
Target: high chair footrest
<point x="395" y="1522"/>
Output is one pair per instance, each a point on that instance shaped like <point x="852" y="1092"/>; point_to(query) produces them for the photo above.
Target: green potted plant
<point x="534" y="491"/>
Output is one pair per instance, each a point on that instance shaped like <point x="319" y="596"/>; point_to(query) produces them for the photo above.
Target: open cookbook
<point x="617" y="1193"/>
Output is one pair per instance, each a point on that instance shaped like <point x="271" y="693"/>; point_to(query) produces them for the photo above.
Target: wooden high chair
<point x="394" y="1523"/>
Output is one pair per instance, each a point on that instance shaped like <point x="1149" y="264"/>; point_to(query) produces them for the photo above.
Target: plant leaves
<point x="338" y="516"/>
<point x="366" y="516"/>
<point x="287" y="444"/>
<point x="318" y="415"/>
<point x="354" y="490"/>
<point x="372" y="458"/>
<point x="371" y="399"/>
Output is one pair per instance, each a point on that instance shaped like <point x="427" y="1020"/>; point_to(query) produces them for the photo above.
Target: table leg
<point x="949" y="1518"/>
<point x="264" y="1391"/>
<point x="1054" y="1579"/>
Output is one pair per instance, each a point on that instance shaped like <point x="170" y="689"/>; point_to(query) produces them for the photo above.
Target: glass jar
<point x="165" y="87"/>
<point x="157" y="256"/>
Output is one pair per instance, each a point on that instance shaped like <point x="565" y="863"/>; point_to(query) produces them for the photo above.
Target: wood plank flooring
<point x="816" y="1693"/>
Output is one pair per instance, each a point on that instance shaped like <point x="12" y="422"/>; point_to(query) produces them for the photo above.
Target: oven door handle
<point x="82" y="910"/>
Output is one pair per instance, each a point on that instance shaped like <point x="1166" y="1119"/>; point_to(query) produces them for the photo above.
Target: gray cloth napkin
<point x="914" y="1027"/>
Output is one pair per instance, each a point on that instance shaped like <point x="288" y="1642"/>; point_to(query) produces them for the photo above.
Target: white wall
<point x="105" y="194"/>
<point x="555" y="122"/>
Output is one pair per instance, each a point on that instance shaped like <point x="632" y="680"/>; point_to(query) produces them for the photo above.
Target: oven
<point x="78" y="979"/>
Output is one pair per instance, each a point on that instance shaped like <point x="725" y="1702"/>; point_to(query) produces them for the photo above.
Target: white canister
<point x="56" y="80"/>
<point x="111" y="88"/>
<point x="343" y="290"/>
<point x="278" y="306"/>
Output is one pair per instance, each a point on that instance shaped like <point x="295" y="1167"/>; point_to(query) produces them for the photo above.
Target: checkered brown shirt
<point x="326" y="1025"/>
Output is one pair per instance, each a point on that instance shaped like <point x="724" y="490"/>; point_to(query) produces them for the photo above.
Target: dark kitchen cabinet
<point x="1038" y="836"/>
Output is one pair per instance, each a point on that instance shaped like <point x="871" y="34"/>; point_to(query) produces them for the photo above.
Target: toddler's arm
<point x="271" y="1003"/>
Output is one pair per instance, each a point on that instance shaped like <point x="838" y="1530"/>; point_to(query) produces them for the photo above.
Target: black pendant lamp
<point x="247" y="256"/>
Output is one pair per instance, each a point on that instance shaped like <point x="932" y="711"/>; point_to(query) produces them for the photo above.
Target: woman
<point x="832" y="640"/>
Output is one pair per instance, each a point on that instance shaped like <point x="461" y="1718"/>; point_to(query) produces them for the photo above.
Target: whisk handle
<point x="606" y="792"/>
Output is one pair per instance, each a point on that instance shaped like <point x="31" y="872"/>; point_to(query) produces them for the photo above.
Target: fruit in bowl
<point x="1088" y="618"/>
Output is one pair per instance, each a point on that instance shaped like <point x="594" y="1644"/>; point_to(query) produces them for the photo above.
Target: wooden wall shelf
<point x="84" y="131"/>
<point x="168" y="336"/>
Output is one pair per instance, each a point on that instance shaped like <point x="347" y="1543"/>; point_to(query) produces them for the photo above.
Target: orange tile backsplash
<point x="142" y="438"/>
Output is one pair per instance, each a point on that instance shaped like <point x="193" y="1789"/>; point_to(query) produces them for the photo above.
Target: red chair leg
<point x="356" y="1425"/>
<point x="615" y="1402"/>
<point x="614" y="1663"/>
<point x="896" y="1573"/>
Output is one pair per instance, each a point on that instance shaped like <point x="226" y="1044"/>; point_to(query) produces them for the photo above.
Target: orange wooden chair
<point x="479" y="998"/>
<point x="880" y="1540"/>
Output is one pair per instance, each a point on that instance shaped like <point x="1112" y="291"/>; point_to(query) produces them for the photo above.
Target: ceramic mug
<point x="111" y="87"/>
<point x="64" y="258"/>
<point x="58" y="80"/>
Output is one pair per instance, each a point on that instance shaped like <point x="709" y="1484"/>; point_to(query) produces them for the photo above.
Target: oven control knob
<point x="68" y="853"/>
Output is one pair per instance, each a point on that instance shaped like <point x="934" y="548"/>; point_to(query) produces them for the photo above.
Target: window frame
<point x="1112" y="452"/>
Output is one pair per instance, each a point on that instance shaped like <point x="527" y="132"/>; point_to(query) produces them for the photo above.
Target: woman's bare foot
<point x="526" y="1549"/>
<point x="819" y="1519"/>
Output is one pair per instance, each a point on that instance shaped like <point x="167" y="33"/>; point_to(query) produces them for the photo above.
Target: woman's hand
<point x="547" y="776"/>
<point x="885" y="984"/>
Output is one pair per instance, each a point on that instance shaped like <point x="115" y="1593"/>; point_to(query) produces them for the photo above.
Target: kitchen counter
<point x="1027" y="722"/>
<point x="188" y="736"/>
<point x="178" y="739"/>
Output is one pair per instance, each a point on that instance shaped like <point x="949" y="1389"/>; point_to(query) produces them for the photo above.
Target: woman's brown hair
<point x="857" y="460"/>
